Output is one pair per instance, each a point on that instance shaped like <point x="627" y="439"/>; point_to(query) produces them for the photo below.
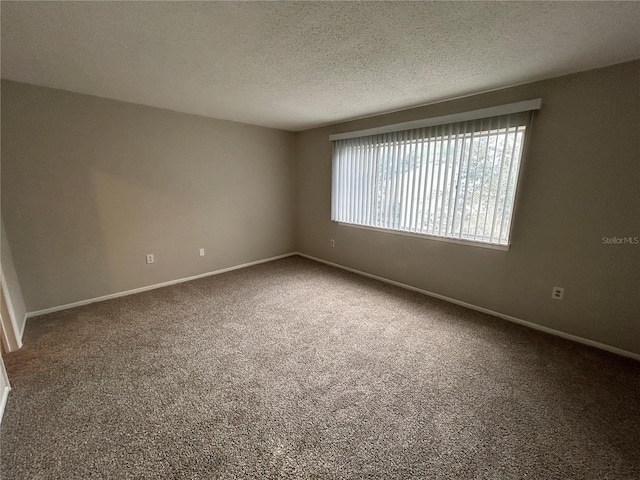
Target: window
<point x="453" y="177"/>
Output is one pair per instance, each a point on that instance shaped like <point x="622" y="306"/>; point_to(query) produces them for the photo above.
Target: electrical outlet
<point x="150" y="258"/>
<point x="202" y="252"/>
<point x="332" y="242"/>
<point x="557" y="293"/>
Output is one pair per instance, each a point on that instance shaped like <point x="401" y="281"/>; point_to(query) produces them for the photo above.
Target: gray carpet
<point x="293" y="369"/>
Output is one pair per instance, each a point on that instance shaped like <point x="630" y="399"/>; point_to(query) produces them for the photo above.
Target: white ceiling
<point x="297" y="65"/>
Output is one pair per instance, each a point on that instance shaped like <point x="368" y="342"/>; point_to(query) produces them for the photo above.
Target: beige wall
<point x="580" y="182"/>
<point x="89" y="186"/>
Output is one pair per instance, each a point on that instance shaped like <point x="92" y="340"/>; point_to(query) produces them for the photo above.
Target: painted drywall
<point x="90" y="186"/>
<point x="13" y="293"/>
<point x="579" y="183"/>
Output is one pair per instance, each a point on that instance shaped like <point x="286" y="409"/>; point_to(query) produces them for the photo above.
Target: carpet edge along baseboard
<point x="510" y="318"/>
<point x="155" y="286"/>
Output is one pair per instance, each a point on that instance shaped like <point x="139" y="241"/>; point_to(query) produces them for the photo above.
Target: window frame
<point x="441" y="121"/>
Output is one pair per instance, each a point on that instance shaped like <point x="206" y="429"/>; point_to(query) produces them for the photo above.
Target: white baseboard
<point x="3" y="400"/>
<point x="153" y="287"/>
<point x="535" y="326"/>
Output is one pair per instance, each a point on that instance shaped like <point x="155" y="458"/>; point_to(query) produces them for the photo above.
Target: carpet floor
<point x="293" y="369"/>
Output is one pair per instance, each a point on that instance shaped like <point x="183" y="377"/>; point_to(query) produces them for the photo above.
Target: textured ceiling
<point x="296" y="65"/>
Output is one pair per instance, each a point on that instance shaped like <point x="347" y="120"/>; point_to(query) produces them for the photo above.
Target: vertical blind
<point x="455" y="181"/>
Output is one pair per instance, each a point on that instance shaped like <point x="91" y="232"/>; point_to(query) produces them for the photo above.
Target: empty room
<point x="320" y="240"/>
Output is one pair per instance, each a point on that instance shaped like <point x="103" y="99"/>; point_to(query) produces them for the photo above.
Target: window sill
<point x="422" y="236"/>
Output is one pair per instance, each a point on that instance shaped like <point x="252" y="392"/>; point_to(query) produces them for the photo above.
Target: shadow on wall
<point x="90" y="186"/>
<point x="48" y="203"/>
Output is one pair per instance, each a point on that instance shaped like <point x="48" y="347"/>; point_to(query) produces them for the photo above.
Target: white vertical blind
<point x="454" y="181"/>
